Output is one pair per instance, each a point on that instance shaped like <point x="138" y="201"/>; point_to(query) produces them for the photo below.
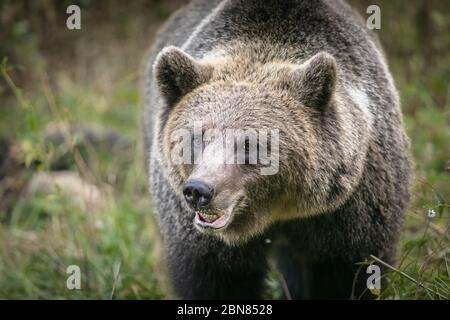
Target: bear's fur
<point x="313" y="71"/>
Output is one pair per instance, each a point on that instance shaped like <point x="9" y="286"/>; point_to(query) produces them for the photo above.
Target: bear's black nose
<point x="197" y="193"/>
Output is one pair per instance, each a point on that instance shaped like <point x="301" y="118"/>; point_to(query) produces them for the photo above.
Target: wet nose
<point x="197" y="193"/>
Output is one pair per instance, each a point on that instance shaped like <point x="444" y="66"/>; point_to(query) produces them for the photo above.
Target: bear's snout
<point x="197" y="194"/>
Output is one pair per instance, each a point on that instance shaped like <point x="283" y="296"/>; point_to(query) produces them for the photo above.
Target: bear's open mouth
<point x="216" y="219"/>
<point x="208" y="216"/>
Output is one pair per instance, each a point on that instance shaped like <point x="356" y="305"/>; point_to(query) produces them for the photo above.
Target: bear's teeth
<point x="207" y="216"/>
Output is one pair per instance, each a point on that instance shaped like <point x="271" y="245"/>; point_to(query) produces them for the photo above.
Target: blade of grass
<point x="407" y="277"/>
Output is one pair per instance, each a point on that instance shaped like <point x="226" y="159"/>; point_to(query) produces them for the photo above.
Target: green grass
<point x="47" y="233"/>
<point x="116" y="245"/>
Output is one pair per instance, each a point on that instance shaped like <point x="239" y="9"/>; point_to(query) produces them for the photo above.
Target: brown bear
<point x="273" y="128"/>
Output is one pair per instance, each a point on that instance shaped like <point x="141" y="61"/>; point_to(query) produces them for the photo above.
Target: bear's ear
<point x="315" y="80"/>
<point x="177" y="73"/>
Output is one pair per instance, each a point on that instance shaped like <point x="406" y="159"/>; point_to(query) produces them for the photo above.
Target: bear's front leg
<point x="323" y="280"/>
<point x="206" y="268"/>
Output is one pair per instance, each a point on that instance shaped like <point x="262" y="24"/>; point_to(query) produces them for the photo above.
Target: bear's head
<point x="242" y="142"/>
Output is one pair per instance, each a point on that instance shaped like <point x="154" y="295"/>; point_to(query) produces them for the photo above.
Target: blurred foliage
<point x="51" y="75"/>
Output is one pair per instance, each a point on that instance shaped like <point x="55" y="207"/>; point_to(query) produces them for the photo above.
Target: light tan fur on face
<point x="244" y="90"/>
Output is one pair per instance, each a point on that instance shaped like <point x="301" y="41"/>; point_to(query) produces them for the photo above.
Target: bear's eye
<point x="251" y="152"/>
<point x="196" y="147"/>
<point x="197" y="141"/>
